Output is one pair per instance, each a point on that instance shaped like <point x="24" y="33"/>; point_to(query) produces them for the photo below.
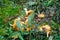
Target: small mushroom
<point x="45" y="28"/>
<point x="41" y="15"/>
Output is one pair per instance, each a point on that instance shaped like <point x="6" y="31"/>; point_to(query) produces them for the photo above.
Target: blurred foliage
<point x="11" y="9"/>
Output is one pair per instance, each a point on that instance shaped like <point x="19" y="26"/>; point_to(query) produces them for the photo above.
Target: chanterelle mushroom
<point x="46" y="28"/>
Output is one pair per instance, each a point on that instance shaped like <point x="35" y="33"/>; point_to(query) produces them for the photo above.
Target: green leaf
<point x="23" y="13"/>
<point x="2" y="31"/>
<point x="25" y="33"/>
<point x="30" y="17"/>
<point x="57" y="38"/>
<point x="32" y="3"/>
<point x="1" y="37"/>
<point x="14" y="35"/>
<point x="53" y="24"/>
<point x="18" y="24"/>
<point x="48" y="2"/>
<point x="21" y="37"/>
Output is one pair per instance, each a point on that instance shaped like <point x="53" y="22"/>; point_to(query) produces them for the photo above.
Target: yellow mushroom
<point x="41" y="15"/>
<point x="46" y="28"/>
<point x="29" y="12"/>
<point x="27" y="29"/>
<point x="26" y="21"/>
